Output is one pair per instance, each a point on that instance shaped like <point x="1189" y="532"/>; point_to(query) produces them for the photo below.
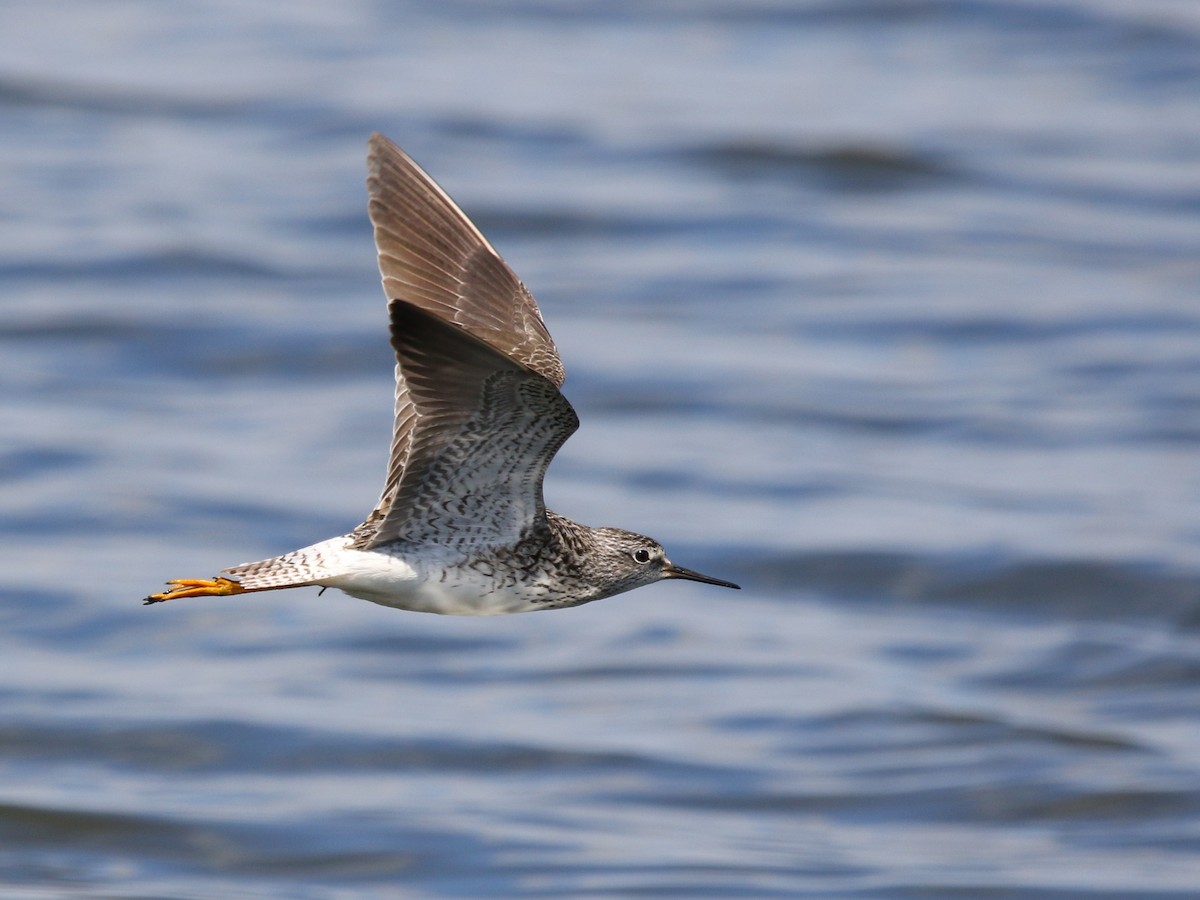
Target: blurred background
<point x="886" y="309"/>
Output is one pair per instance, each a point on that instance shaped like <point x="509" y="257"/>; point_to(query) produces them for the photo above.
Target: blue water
<point x="889" y="311"/>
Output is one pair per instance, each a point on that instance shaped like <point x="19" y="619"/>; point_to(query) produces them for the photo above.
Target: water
<point x="887" y="311"/>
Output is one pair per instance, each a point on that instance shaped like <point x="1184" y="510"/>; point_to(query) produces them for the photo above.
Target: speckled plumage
<point x="461" y="526"/>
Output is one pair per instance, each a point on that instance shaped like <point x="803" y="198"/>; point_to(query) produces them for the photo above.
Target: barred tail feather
<point x="296" y="569"/>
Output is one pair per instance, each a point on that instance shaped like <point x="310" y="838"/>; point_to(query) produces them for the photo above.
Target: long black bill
<point x="674" y="571"/>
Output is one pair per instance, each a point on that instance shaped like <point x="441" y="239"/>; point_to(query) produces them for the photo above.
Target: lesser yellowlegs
<point x="461" y="527"/>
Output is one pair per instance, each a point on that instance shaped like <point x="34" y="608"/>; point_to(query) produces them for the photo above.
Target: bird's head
<point x="628" y="560"/>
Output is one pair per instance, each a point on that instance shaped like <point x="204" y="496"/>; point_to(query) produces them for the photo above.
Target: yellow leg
<point x="196" y="587"/>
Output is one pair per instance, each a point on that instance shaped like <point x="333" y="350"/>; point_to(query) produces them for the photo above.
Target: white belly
<point x="432" y="586"/>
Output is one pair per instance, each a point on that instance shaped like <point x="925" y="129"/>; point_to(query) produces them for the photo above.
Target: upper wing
<point x="433" y="257"/>
<point x="482" y="432"/>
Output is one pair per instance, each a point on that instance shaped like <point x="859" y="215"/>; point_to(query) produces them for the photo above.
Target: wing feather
<point x="485" y="429"/>
<point x="431" y="255"/>
<point x="434" y="259"/>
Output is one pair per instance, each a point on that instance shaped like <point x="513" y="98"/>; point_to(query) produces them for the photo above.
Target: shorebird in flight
<point x="461" y="527"/>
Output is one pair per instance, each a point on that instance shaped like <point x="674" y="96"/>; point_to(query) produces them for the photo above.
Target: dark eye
<point x="641" y="555"/>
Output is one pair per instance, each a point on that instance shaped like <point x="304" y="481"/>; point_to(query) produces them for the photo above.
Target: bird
<point x="461" y="527"/>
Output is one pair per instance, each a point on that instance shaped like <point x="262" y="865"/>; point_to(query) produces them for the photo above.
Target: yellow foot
<point x="196" y="587"/>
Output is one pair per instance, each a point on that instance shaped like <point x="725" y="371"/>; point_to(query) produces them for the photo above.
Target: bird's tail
<point x="299" y="568"/>
<point x="295" y="569"/>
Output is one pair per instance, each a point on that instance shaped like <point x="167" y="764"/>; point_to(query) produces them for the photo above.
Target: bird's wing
<point x="433" y="258"/>
<point x="482" y="431"/>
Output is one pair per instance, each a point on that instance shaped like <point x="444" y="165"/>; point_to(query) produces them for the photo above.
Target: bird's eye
<point x="641" y="555"/>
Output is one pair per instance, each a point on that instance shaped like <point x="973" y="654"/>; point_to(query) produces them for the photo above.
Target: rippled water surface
<point x="888" y="310"/>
